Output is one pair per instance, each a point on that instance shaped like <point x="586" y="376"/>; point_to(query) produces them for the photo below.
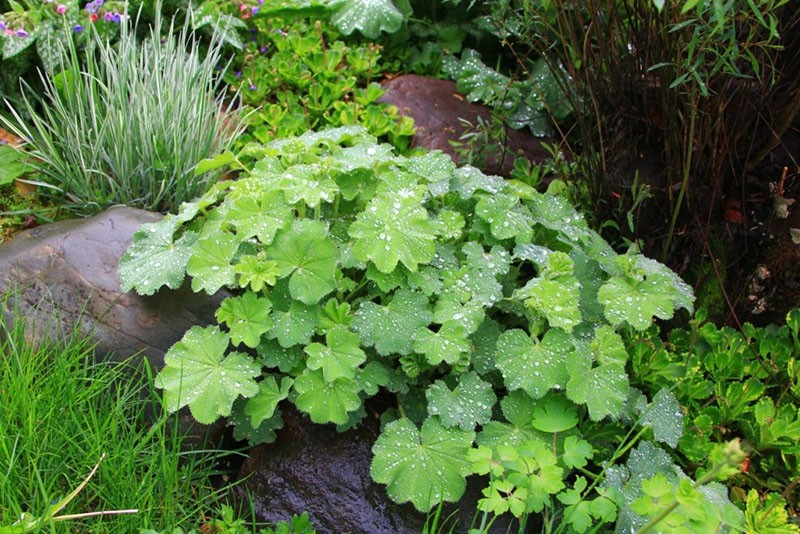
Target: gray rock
<point x="439" y="110"/>
<point x="65" y="274"/>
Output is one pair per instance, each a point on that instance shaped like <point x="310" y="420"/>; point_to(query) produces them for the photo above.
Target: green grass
<point x="127" y="123"/>
<point x="61" y="411"/>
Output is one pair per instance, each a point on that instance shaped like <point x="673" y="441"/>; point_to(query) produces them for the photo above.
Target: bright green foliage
<point x="370" y="17"/>
<point x="339" y="358"/>
<point x="554" y="414"/>
<point x="725" y="382"/>
<point x="644" y="289"/>
<point x="326" y="402"/>
<point x="306" y="252"/>
<point x="263" y="405"/>
<point x="154" y="251"/>
<point x="371" y="271"/>
<point x="247" y="318"/>
<point x="393" y="228"/>
<point x="197" y="373"/>
<point x="297" y="75"/>
<point x="424" y="466"/>
<point x="531" y="365"/>
<point x="391" y="328"/>
<point x="468" y="405"/>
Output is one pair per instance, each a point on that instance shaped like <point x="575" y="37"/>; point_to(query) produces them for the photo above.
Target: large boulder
<point x="441" y="116"/>
<point x="313" y="468"/>
<point x="65" y="274"/>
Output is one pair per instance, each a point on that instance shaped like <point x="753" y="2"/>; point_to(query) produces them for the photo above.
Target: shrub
<point x="492" y="312"/>
<point x="127" y="124"/>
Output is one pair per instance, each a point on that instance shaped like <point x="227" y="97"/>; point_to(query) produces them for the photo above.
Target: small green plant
<point x="733" y="383"/>
<point x="128" y="123"/>
<point x="61" y="410"/>
<point x="299" y="76"/>
<point x="492" y="312"/>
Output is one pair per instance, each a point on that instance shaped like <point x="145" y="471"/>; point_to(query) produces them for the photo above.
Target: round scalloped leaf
<point x="394" y="227"/>
<point x="326" y="402"/>
<point x="198" y="374"/>
<point x="422" y="467"/>
<point x="154" y="259"/>
<point x="534" y="367"/>
<point x="370" y="17"/>
<point x="468" y="405"/>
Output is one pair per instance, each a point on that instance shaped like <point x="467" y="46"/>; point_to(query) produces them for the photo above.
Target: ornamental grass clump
<point x="127" y="123"/>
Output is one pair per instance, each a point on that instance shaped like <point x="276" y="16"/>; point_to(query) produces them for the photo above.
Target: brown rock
<point x="439" y="112"/>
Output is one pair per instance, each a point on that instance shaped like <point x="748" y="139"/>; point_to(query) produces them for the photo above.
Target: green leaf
<point x="307" y="253"/>
<point x="210" y="263"/>
<point x="535" y="367"/>
<point x="576" y="452"/>
<point x="370" y="17"/>
<point x="247" y="317"/>
<point x="198" y="374"/>
<point x="394" y="227"/>
<point x="256" y="272"/>
<point x="468" y="405"/>
<point x="603" y="389"/>
<point x="554" y="414"/>
<point x="154" y="259"/>
<point x="211" y="164"/>
<point x="449" y="344"/>
<point x="644" y="290"/>
<point x="391" y="328"/>
<point x="664" y="416"/>
<point x="555" y="293"/>
<point x="507" y="218"/>
<point x="339" y="358"/>
<point x="244" y="430"/>
<point x="12" y="163"/>
<point x="310" y="183"/>
<point x="517" y="408"/>
<point x="424" y="467"/>
<point x="293" y="323"/>
<point x="258" y="214"/>
<point x="326" y="402"/>
<point x="263" y="405"/>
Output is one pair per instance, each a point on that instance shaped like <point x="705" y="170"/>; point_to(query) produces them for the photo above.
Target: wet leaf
<point x="424" y="467"/>
<point x="198" y="374"/>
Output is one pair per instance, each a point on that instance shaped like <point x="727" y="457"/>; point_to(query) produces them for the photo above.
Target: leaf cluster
<point x="298" y="75"/>
<point x="732" y="383"/>
<point x="492" y="312"/>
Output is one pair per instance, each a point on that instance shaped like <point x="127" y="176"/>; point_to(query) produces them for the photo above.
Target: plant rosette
<point x="492" y="312"/>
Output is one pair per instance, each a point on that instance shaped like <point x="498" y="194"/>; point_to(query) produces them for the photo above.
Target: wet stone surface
<point x="66" y="274"/>
<point x="316" y="469"/>
<point x="439" y="112"/>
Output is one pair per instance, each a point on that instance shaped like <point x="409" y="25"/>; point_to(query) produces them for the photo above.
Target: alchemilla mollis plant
<point x="492" y="312"/>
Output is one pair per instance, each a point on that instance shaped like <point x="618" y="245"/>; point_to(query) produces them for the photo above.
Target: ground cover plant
<point x="492" y="312"/>
<point x="734" y="382"/>
<point x="61" y="412"/>
<point x="495" y="332"/>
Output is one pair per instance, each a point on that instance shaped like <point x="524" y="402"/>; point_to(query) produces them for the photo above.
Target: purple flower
<point x="254" y="10"/>
<point x="252" y="86"/>
<point x="116" y="17"/>
<point x="2" y="25"/>
<point x="61" y="9"/>
<point x="77" y="28"/>
<point x="238" y="73"/>
<point x="263" y="49"/>
<point x="21" y="33"/>
<point x="91" y="7"/>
